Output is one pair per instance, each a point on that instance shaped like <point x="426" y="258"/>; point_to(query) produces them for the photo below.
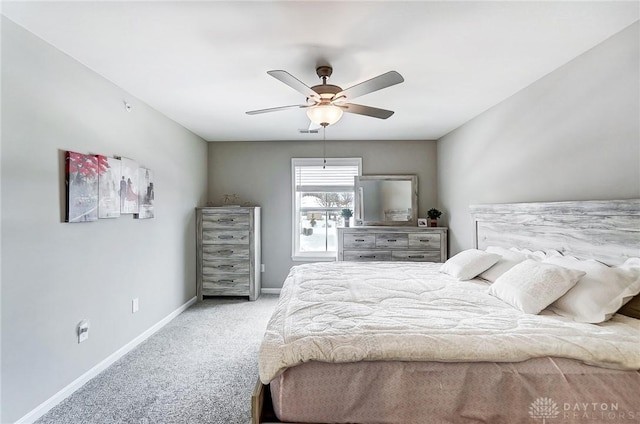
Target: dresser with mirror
<point x="386" y="224"/>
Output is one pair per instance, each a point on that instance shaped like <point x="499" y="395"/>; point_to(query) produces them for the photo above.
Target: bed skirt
<point x="397" y="392"/>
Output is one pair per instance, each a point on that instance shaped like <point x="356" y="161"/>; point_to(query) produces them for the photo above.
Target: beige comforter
<point x="348" y="311"/>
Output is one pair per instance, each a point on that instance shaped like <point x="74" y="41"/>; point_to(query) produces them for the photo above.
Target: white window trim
<point x="312" y="256"/>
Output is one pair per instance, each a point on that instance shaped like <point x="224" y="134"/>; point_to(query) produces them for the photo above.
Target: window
<point x="319" y="195"/>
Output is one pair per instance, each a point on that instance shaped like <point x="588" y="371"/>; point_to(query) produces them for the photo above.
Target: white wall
<point x="573" y="135"/>
<point x="54" y="274"/>
<point x="260" y="172"/>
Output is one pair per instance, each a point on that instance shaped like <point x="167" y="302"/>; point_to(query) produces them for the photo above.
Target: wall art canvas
<point x="145" y="194"/>
<point x="81" y="178"/>
<point x="128" y="186"/>
<point x="108" y="187"/>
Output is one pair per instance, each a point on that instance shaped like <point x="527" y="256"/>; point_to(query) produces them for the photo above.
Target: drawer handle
<point x="225" y="220"/>
<point x="424" y="240"/>
<point x="225" y="281"/>
<point x="225" y="237"/>
<point x="225" y="266"/>
<point x="391" y="240"/>
<point x="359" y="240"/>
<point x="368" y="256"/>
<point x="225" y="252"/>
<point x="416" y="257"/>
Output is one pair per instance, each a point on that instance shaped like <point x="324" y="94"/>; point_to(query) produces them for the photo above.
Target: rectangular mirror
<point x="386" y="200"/>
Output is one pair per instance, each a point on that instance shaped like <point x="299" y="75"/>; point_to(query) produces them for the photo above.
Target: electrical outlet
<point x="83" y="330"/>
<point x="135" y="305"/>
<point x="261" y="267"/>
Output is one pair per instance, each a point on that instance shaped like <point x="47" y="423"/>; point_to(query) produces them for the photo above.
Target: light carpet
<point x="199" y="368"/>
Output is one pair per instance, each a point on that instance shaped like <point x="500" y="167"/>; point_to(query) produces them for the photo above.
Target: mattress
<point x="397" y="392"/>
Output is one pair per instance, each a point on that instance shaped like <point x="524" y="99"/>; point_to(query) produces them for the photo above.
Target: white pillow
<point x="531" y="286"/>
<point x="469" y="263"/>
<point x="508" y="259"/>
<point x="600" y="293"/>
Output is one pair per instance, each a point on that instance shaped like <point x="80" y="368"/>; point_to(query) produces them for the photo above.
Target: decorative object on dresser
<point x="228" y="251"/>
<point x="433" y="215"/>
<point x="392" y="244"/>
<point x="346" y="214"/>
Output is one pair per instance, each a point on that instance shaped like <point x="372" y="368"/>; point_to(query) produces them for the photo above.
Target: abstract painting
<point x="128" y="186"/>
<point x="145" y="194"/>
<point x="81" y="178"/>
<point x="108" y="187"/>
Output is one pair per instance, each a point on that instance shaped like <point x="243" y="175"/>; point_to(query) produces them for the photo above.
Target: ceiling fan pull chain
<point x="324" y="146"/>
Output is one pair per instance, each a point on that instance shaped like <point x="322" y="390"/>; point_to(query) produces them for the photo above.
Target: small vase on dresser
<point x="228" y="251"/>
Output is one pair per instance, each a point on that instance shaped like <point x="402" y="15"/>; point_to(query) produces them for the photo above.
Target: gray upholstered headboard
<point x="608" y="231"/>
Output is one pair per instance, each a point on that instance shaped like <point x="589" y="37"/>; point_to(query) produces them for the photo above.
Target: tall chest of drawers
<point x="228" y="251"/>
<point x="424" y="244"/>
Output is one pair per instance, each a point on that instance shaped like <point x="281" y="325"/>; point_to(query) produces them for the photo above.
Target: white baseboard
<point x="270" y="291"/>
<point x="54" y="400"/>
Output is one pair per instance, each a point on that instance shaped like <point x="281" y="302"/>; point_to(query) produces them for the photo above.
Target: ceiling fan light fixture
<point x="324" y="114"/>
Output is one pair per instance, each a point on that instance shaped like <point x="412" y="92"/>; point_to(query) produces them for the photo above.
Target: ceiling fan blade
<point x="275" y="109"/>
<point x="367" y="110"/>
<point x="293" y="82"/>
<point x="374" y="84"/>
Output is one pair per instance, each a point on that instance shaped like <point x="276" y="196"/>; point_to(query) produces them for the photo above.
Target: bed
<point x="398" y="342"/>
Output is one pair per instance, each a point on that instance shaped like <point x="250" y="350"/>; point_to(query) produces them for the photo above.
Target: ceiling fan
<point x="325" y="103"/>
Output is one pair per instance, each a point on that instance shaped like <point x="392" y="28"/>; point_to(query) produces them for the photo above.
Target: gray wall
<point x="260" y="172"/>
<point x="55" y="274"/>
<point x="573" y="135"/>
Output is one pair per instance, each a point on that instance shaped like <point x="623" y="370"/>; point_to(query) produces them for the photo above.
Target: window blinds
<point x="331" y="178"/>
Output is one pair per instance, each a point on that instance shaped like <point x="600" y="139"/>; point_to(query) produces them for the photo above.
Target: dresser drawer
<point x="229" y="221"/>
<point x="359" y="241"/>
<point x="225" y="237"/>
<point x="367" y="255"/>
<point x="392" y="240"/>
<point x="222" y="266"/>
<point x="222" y="251"/>
<point x="416" y="255"/>
<point x="424" y="241"/>
<point x="225" y="286"/>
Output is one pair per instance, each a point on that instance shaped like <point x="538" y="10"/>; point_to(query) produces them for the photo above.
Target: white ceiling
<point x="203" y="64"/>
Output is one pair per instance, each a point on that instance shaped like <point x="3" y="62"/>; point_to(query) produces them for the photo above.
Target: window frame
<point x="296" y="255"/>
